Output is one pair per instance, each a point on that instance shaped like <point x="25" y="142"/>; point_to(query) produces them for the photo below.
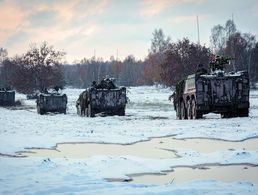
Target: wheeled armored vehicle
<point x="51" y="102"/>
<point x="218" y="92"/>
<point x="104" y="98"/>
<point x="7" y="97"/>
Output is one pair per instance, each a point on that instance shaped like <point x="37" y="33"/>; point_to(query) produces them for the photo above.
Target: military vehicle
<point x="104" y="98"/>
<point x="32" y="96"/>
<point x="51" y="102"/>
<point x="218" y="92"/>
<point x="7" y="97"/>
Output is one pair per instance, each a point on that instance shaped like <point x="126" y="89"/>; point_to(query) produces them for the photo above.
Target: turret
<point x="219" y="63"/>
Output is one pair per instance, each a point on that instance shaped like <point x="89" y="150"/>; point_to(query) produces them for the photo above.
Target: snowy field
<point x="148" y="114"/>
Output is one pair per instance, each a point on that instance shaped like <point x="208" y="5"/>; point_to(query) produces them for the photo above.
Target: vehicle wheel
<point x="64" y="111"/>
<point x="178" y="112"/>
<point x="40" y="111"/>
<point x="78" y="110"/>
<point x="189" y="110"/>
<point x="195" y="114"/>
<point x="83" y="111"/>
<point x="244" y="112"/>
<point x="226" y="115"/>
<point x="90" y="111"/>
<point x="183" y="110"/>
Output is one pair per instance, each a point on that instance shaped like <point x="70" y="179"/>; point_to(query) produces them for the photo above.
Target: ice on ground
<point x="64" y="176"/>
<point x="148" y="114"/>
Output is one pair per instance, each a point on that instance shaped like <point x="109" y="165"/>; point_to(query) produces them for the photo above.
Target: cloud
<point x="12" y="19"/>
<point x="11" y="15"/>
<point x="51" y="21"/>
<point x="151" y="8"/>
<point x="185" y="19"/>
<point x="255" y="10"/>
<point x="182" y="19"/>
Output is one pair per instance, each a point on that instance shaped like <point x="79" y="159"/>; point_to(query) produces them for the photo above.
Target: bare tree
<point x="230" y="28"/>
<point x="159" y="42"/>
<point x="3" y="54"/>
<point x="182" y="59"/>
<point x="3" y="71"/>
<point x="218" y="39"/>
<point x="39" y="68"/>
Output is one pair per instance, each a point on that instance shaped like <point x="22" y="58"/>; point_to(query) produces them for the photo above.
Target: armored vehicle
<point x="7" y="97"/>
<point x="218" y="92"/>
<point x="51" y="102"/>
<point x="102" y="98"/>
<point x="32" y="96"/>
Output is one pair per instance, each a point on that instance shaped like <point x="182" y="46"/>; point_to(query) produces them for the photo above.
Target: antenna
<point x="198" y="30"/>
<point x="116" y="54"/>
<point x="234" y="65"/>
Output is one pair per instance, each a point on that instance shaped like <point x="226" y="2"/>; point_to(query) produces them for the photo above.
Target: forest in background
<point x="167" y="62"/>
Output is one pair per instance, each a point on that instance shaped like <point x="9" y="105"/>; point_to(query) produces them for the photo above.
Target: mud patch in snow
<point x="156" y="148"/>
<point x="225" y="173"/>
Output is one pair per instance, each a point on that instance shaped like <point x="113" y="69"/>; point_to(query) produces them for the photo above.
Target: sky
<point x="120" y="28"/>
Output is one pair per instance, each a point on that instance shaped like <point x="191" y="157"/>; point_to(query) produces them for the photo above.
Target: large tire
<point x="178" y="112"/>
<point x="183" y="110"/>
<point x="226" y="115"/>
<point x="40" y="111"/>
<point x="82" y="111"/>
<point x="90" y="111"/>
<point x="189" y="110"/>
<point x="195" y="114"/>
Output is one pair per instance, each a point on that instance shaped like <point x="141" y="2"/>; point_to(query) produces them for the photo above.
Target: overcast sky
<point x="79" y="27"/>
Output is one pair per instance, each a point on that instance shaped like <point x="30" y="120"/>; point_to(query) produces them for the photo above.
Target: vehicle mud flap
<point x="183" y="110"/>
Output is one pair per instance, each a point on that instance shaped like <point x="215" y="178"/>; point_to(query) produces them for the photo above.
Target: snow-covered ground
<point x="148" y="114"/>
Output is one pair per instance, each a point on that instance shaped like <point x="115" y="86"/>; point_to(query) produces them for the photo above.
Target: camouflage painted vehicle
<point x="218" y="92"/>
<point x="7" y="97"/>
<point x="103" y="98"/>
<point x="51" y="102"/>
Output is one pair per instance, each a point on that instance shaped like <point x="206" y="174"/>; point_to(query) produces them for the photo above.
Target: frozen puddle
<point x="164" y="148"/>
<point x="229" y="173"/>
<point x="157" y="148"/>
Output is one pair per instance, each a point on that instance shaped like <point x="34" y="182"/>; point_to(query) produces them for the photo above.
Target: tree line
<point x="128" y="72"/>
<point x="167" y="62"/>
